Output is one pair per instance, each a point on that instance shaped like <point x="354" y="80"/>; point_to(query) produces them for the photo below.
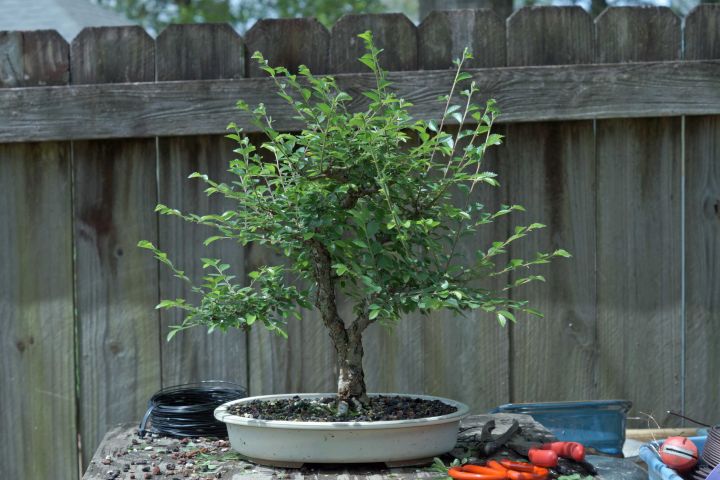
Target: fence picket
<point x="117" y="287"/>
<point x="37" y="368"/>
<point x="196" y="52"/>
<point x="393" y="32"/>
<point x="305" y="361"/>
<point x="394" y="359"/>
<point x="639" y="227"/>
<point x="455" y="347"/>
<point x="551" y="171"/>
<point x="702" y="230"/>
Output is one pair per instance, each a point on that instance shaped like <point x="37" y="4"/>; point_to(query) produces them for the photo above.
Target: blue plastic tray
<point x="657" y="470"/>
<point x="599" y="424"/>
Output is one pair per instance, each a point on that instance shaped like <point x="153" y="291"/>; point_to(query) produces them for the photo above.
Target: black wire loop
<point x="710" y="457"/>
<point x="187" y="410"/>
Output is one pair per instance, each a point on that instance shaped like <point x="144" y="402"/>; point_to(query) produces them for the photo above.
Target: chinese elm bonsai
<point x="365" y="203"/>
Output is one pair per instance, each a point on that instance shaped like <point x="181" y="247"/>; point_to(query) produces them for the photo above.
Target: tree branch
<point x="325" y="301"/>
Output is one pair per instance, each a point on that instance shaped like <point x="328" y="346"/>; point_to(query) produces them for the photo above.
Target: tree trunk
<point x="351" y="376"/>
<point x="347" y="340"/>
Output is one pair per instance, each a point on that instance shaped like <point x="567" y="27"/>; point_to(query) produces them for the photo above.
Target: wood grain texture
<point x="31" y="59"/>
<point x="455" y="346"/>
<point x="702" y="230"/>
<point x="37" y="364"/>
<point x="443" y="36"/>
<point x="305" y="362"/>
<point x="199" y="52"/>
<point x="393" y="32"/>
<point x="112" y="55"/>
<point x="551" y="171"/>
<point x="639" y="228"/>
<point x="202" y="107"/>
<point x="117" y="286"/>
<point x="37" y="367"/>
<point x="210" y="51"/>
<point x="288" y="42"/>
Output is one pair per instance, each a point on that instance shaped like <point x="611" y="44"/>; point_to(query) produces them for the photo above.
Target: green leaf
<point x="561" y="253"/>
<point x="146" y="244"/>
<point x="506" y="314"/>
<point x="212" y="239"/>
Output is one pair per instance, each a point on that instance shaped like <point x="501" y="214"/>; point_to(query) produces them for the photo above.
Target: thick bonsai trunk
<point x="351" y="377"/>
<point x="347" y="340"/>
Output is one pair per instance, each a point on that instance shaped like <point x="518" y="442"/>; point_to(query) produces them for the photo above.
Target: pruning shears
<point x="499" y="470"/>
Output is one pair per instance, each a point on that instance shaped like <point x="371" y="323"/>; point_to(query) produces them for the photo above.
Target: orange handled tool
<point x="503" y="470"/>
<point x="476" y="472"/>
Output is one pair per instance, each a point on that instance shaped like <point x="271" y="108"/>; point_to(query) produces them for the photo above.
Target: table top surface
<point x="123" y="455"/>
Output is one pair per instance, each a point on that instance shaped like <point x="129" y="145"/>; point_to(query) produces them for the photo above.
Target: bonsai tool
<point x="487" y="444"/>
<point x="547" y="454"/>
<point x="502" y="470"/>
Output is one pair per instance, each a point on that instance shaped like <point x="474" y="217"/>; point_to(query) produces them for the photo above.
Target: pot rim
<point x="222" y="414"/>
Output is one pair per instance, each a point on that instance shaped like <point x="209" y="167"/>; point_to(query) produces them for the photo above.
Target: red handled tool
<point x="502" y="470"/>
<point x="547" y="454"/>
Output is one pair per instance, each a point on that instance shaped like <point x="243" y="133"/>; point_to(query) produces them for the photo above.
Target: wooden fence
<point x="613" y="141"/>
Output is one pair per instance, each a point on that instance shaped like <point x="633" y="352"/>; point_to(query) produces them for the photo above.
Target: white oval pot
<point x="291" y="444"/>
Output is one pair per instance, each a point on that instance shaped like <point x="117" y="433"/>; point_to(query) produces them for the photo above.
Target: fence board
<point x="288" y="42"/>
<point x="639" y="168"/>
<point x="551" y="171"/>
<point x="114" y="198"/>
<point x="392" y="31"/>
<point x="194" y="52"/>
<point x="443" y="36"/>
<point x="305" y="361"/>
<point x="394" y="358"/>
<point x="702" y="231"/>
<point x="454" y="347"/>
<point x="37" y="367"/>
<point x="574" y="92"/>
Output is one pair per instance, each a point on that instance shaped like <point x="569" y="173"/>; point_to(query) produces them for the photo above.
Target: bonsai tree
<point x="372" y="204"/>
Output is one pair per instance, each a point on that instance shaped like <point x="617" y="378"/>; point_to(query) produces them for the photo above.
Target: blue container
<point x="657" y="470"/>
<point x="599" y="424"/>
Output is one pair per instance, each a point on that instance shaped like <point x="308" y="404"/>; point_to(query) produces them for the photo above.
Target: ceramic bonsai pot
<point x="292" y="443"/>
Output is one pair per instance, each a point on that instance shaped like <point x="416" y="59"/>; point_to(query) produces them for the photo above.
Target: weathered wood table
<point x="123" y="455"/>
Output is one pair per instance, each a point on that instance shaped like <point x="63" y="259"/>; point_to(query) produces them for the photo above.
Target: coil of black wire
<point x="187" y="410"/>
<point x="710" y="457"/>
